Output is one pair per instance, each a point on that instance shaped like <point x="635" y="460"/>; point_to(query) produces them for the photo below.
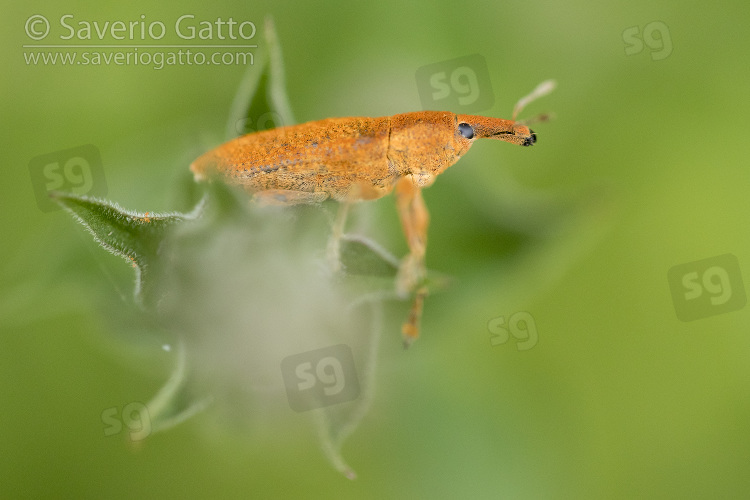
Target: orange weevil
<point x="358" y="158"/>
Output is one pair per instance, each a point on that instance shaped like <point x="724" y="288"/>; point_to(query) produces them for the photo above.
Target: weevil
<point x="356" y="159"/>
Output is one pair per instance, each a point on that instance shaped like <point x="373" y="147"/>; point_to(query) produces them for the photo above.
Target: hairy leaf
<point x="134" y="236"/>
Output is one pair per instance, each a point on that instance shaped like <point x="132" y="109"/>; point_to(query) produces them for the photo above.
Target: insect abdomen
<point x="329" y="155"/>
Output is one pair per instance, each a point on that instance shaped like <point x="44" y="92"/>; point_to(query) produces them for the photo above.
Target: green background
<point x="619" y="398"/>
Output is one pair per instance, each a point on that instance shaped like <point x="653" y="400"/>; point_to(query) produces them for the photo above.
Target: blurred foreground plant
<point x="240" y="288"/>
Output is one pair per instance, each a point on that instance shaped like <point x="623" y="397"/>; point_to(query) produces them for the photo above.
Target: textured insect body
<point x="351" y="159"/>
<point x="354" y="159"/>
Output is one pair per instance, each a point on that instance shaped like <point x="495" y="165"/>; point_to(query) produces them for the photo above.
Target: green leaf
<point x="173" y="405"/>
<point x="362" y="256"/>
<point x="261" y="101"/>
<point x="134" y="236"/>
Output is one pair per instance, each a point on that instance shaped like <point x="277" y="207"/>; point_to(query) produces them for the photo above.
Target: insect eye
<point x="466" y="130"/>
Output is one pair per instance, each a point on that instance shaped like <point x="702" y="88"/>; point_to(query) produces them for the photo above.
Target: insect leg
<point x="346" y="197"/>
<point x="410" y="328"/>
<point x="333" y="250"/>
<point x="414" y="219"/>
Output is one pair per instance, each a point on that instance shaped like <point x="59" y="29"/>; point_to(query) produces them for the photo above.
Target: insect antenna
<point x="541" y="90"/>
<point x="540" y="118"/>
